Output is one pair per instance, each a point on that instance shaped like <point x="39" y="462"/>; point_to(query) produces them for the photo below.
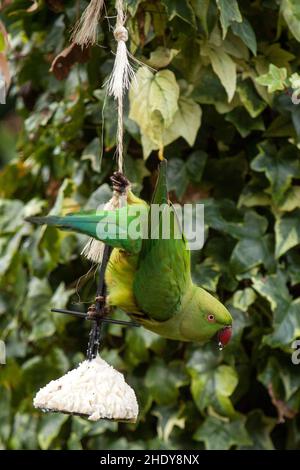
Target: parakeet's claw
<point x="119" y="182"/>
<point x="93" y="313"/>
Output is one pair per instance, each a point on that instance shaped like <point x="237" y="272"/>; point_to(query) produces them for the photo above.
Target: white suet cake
<point x="94" y="389"/>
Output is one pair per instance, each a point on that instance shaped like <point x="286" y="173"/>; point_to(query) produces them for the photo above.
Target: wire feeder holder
<point x="98" y="312"/>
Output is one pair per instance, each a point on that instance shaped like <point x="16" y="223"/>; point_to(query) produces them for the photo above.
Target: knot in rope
<point x="121" y="33"/>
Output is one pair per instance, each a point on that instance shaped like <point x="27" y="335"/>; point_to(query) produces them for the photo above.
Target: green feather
<point x="160" y="195"/>
<point x="163" y="273"/>
<point x="110" y="227"/>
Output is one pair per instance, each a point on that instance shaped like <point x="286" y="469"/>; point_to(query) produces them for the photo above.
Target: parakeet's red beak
<point x="224" y="336"/>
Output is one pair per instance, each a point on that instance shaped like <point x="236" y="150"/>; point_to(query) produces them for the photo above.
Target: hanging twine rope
<point x="118" y="83"/>
<point x="122" y="73"/>
<point x="121" y="76"/>
<point x="85" y="30"/>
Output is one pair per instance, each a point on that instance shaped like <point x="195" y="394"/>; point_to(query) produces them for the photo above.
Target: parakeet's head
<point x="207" y="319"/>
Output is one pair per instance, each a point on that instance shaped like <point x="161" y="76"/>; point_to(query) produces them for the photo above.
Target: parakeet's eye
<point x="210" y="317"/>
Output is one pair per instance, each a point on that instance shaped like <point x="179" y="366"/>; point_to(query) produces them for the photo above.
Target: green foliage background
<point x="242" y="162"/>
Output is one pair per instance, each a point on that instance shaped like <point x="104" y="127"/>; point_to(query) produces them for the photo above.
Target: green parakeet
<point x="149" y="277"/>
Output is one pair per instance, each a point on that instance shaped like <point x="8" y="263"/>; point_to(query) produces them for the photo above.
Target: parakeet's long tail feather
<point x="111" y="227"/>
<point x="86" y="224"/>
<point x="160" y="195"/>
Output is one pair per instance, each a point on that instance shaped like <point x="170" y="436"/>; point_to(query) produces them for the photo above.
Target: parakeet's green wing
<point x="110" y="227"/>
<point x="164" y="263"/>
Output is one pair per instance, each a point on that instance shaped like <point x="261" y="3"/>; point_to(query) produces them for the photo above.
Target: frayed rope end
<point x="93" y="249"/>
<point x="85" y="30"/>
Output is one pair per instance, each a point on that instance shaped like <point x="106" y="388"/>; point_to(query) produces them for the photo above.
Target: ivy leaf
<point x="208" y="88"/>
<point x="286" y="321"/>
<point x="235" y="47"/>
<point x="220" y="435"/>
<point x="281" y="378"/>
<point x="38" y="370"/>
<point x="254" y="226"/>
<point x="274" y="79"/>
<point x="164" y="382"/>
<point x="133" y="6"/>
<point x="250" y="99"/>
<point x="11" y="215"/>
<point x="286" y="326"/>
<point x="224" y="67"/>
<point x="204" y="10"/>
<point x="291" y="199"/>
<point x="163" y="94"/>
<point x="195" y="165"/>
<point x="186" y="122"/>
<point x="278" y="55"/>
<point x="36" y="309"/>
<point x="179" y="173"/>
<point x="181" y="9"/>
<point x="253" y="195"/>
<point x="154" y="102"/>
<point x="162" y="57"/>
<point x="254" y="247"/>
<point x="138" y="343"/>
<point x="242" y="299"/>
<point x="244" y="123"/>
<point x="64" y="192"/>
<point x="274" y="289"/>
<point x="136" y="171"/>
<point x="259" y="427"/>
<point x="212" y="384"/>
<point x="110" y="127"/>
<point x="99" y="197"/>
<point x="24" y="432"/>
<point x="222" y="216"/>
<point x="279" y="166"/>
<point x="293" y="262"/>
<point x="280" y="127"/>
<point x="206" y="275"/>
<point x="287" y="232"/>
<point x="245" y="31"/>
<point x="229" y="13"/>
<point x="8" y="251"/>
<point x="177" y="176"/>
<point x="290" y="10"/>
<point x="250" y="252"/>
<point x="168" y="418"/>
<point x="241" y="320"/>
<point x="295" y="80"/>
<point x="50" y="428"/>
<point x="92" y="153"/>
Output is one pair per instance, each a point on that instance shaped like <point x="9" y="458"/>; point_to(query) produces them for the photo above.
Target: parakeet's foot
<point x="119" y="182"/>
<point x="94" y="313"/>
